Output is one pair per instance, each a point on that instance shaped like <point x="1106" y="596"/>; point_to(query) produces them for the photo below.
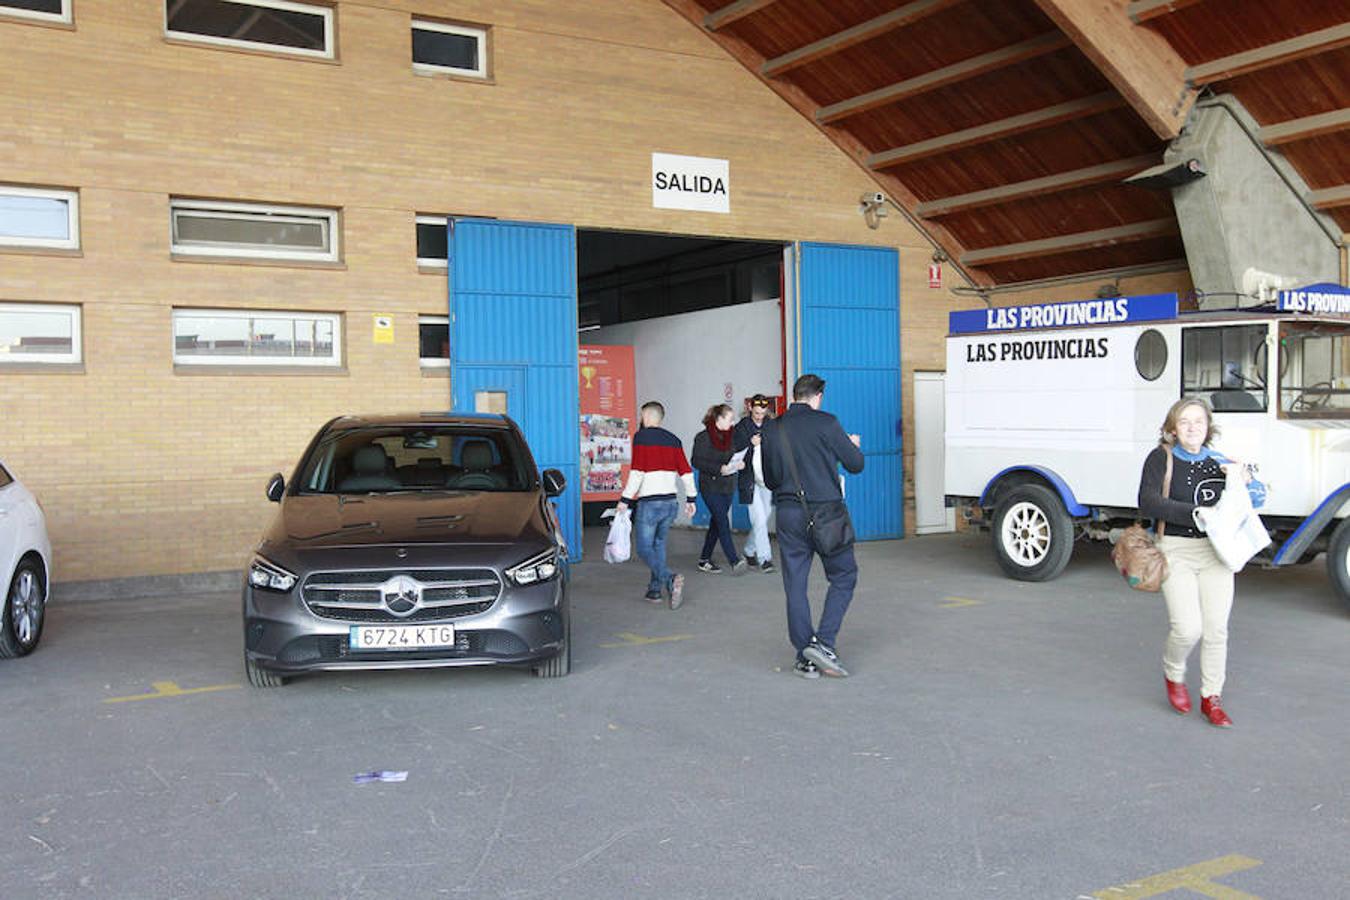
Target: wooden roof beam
<point x="850" y="37"/>
<point x="1337" y="197"/>
<point x="1138" y="62"/>
<point x="931" y="81"/>
<point x="734" y="13"/>
<point x="1002" y="128"/>
<point x="1142" y="10"/>
<point x="798" y="99"/>
<point x="1276" y="54"/>
<point x="1069" y="243"/>
<point x="1304" y="128"/>
<point x="1051" y="184"/>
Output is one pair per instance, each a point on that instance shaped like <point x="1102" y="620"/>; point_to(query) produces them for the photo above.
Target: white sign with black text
<point x="691" y="182"/>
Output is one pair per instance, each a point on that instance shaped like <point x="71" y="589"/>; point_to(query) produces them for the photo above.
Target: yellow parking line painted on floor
<point x="171" y="689"/>
<point x="1194" y="878"/>
<point x="629" y="639"/>
<point x="958" y="602"/>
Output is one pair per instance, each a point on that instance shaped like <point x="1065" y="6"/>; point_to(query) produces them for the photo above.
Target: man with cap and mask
<point x="751" y="488"/>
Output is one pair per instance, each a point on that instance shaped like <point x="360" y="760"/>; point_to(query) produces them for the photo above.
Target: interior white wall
<point x="685" y="361"/>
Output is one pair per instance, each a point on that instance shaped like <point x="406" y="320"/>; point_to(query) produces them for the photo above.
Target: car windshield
<point x="1315" y="370"/>
<point x="400" y="458"/>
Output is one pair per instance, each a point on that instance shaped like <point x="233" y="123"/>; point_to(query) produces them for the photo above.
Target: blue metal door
<point x="849" y="299"/>
<point x="513" y="331"/>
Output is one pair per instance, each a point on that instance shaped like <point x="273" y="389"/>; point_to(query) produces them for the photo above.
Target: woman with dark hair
<point x="1180" y="474"/>
<point x="712" y="459"/>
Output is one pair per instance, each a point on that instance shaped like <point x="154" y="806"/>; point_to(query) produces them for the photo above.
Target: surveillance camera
<point x="872" y="198"/>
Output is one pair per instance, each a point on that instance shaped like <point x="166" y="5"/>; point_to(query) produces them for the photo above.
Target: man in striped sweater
<point x="658" y="464"/>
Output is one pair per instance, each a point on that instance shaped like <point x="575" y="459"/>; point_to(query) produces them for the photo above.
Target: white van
<point x="1052" y="408"/>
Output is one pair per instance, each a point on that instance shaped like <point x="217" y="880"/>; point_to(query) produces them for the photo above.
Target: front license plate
<point x="401" y="637"/>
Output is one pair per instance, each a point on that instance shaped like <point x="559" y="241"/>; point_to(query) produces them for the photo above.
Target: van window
<point x="1315" y="370"/>
<point x="1225" y="365"/>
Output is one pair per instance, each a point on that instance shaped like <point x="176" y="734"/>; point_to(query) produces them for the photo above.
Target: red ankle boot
<point x="1178" y="696"/>
<point x="1211" y="709"/>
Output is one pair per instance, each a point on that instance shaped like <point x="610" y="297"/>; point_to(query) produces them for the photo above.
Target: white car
<point x="25" y="567"/>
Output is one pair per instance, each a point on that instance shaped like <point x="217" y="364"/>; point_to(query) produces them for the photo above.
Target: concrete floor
<point x="998" y="739"/>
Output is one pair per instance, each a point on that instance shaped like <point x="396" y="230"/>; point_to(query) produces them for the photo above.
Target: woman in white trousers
<point x="1199" y="587"/>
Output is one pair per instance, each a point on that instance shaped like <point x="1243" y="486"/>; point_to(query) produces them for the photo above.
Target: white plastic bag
<point x="619" y="543"/>
<point x="1232" y="526"/>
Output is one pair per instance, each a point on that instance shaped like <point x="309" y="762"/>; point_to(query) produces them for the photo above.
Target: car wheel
<point x="260" y="677"/>
<point x="560" y="663"/>
<point x="1338" y="559"/>
<point x="25" y="611"/>
<point x="1033" y="534"/>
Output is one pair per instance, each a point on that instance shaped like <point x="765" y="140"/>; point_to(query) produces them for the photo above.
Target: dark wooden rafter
<point x="1275" y="54"/>
<point x="1070" y="243"/>
<point x="1002" y="128"/>
<point x="850" y="37"/>
<point x="1115" y="170"/>
<point x="1304" y="128"/>
<point x="795" y="97"/>
<point x="1141" y="11"/>
<point x="733" y="13"/>
<point x="1337" y="197"/>
<point x="1148" y="71"/>
<point x="931" y="81"/>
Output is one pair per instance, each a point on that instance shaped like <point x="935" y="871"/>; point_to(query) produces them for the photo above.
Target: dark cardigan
<point x="1193" y="484"/>
<point x="708" y="461"/>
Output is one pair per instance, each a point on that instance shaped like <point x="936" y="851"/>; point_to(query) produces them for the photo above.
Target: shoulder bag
<point x="1136" y="554"/>
<point x="827" y="522"/>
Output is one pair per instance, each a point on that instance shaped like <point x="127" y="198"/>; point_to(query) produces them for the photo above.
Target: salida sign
<point x="691" y="182"/>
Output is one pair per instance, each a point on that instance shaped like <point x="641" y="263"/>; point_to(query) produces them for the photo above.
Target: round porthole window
<point x="1150" y="355"/>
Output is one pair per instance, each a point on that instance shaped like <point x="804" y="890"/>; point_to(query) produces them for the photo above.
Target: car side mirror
<point x="554" y="483"/>
<point x="276" y="487"/>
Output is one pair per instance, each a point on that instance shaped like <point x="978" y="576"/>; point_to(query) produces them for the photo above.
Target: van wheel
<point x="24" y="613"/>
<point x="1338" y="559"/>
<point x="1033" y="534"/>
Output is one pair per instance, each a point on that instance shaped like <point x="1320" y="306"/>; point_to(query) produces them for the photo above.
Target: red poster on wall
<point x="608" y="419"/>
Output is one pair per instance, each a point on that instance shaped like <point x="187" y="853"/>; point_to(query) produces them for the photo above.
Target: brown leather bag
<point x="1136" y="554"/>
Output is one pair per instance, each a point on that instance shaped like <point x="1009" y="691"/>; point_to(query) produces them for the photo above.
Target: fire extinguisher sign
<point x="935" y="275"/>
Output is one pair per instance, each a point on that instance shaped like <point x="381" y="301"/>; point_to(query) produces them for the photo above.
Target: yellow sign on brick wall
<point x="384" y="329"/>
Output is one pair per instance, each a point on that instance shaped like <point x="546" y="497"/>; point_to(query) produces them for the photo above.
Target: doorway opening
<point x="705" y="322"/>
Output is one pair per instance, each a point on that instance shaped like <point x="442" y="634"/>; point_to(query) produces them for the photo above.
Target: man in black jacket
<point x="819" y="447"/>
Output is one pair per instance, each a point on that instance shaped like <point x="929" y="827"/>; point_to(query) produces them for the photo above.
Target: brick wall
<point x="145" y="470"/>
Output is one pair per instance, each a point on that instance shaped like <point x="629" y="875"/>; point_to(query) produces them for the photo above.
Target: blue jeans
<point x="796" y="555"/>
<point x="719" y="527"/>
<point x="650" y="527"/>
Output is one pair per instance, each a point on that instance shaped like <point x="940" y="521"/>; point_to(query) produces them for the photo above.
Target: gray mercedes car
<point x="410" y="541"/>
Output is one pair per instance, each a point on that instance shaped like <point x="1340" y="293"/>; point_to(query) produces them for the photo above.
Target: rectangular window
<point x="432" y="244"/>
<point x="41" y="10"/>
<point x="38" y="217"/>
<point x="277" y="25"/>
<point x="433" y="335"/>
<point x="39" y="333"/>
<point x="1226" y="366"/>
<point x="211" y="228"/>
<point x="1314" y="370"/>
<point x="235" y="337"/>
<point x="451" y="49"/>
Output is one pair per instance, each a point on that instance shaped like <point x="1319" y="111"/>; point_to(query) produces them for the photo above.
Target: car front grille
<point x="356" y="596"/>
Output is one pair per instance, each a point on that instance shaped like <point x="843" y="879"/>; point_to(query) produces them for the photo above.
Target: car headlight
<point x="269" y="576"/>
<point x="535" y="569"/>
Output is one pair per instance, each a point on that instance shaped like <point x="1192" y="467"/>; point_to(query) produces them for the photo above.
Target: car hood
<point x="312" y="522"/>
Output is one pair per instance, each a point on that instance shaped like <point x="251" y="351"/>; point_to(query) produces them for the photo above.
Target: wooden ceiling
<point x="1005" y="128"/>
